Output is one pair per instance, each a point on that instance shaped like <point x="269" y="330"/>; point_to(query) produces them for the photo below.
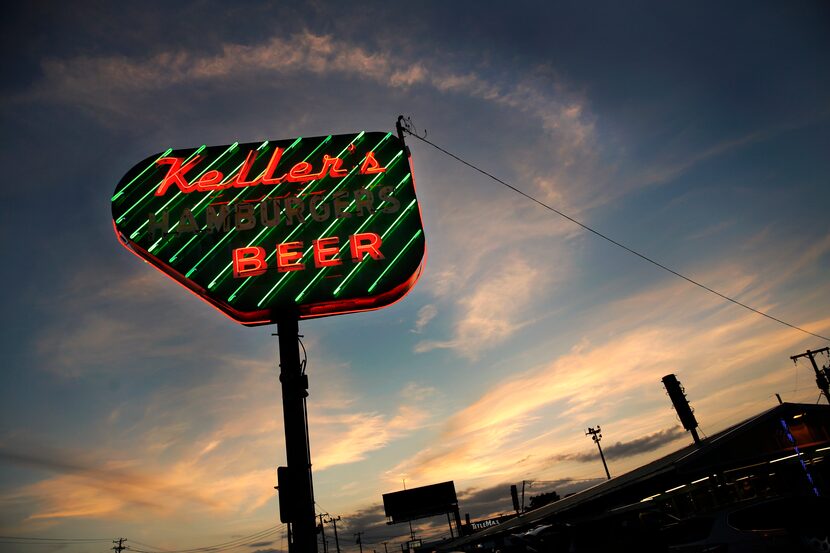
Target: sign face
<point x="297" y="228"/>
<point x="415" y="503"/>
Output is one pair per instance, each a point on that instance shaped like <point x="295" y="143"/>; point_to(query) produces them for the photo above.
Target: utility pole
<point x="119" y="545"/>
<point x="821" y="375"/>
<point x="385" y="549"/>
<point x="336" y="540"/>
<point x="596" y="435"/>
<point x="358" y="541"/>
<point x="294" y="383"/>
<point x="323" y="532"/>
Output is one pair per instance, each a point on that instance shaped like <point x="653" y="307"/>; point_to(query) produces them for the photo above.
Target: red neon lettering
<point x="336" y="171"/>
<point x="248" y="262"/>
<point x="371" y="166"/>
<point x="240" y="181"/>
<point x="268" y="177"/>
<point x="324" y="250"/>
<point x="330" y="164"/>
<point x="176" y="174"/>
<point x="288" y="257"/>
<point x="300" y="172"/>
<point x="363" y="243"/>
<point x="212" y="180"/>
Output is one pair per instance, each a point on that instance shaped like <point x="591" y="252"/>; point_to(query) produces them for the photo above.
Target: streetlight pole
<point x="596" y="435"/>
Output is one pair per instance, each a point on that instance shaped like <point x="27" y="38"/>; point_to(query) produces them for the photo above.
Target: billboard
<point x="301" y="228"/>
<point x="415" y="503"/>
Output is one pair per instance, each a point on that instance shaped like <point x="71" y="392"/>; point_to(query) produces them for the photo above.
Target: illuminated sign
<point x="482" y="524"/>
<point x="293" y="228"/>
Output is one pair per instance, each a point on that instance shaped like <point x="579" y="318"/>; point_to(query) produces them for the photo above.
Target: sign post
<point x="278" y="231"/>
<point x="299" y="510"/>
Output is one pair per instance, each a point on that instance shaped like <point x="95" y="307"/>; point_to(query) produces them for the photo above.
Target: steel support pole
<point x="294" y="392"/>
<point x="602" y="456"/>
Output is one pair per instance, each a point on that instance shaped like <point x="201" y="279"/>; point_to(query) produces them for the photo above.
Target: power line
<point x="54" y="539"/>
<point x="148" y="545"/>
<point x="611" y="240"/>
<point x="20" y="540"/>
<point x="225" y="546"/>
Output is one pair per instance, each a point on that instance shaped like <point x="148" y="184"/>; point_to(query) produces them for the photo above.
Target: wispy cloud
<point x="86" y="488"/>
<point x="621" y="450"/>
<point x="668" y="328"/>
<point x="425" y="315"/>
<point x="113" y="82"/>
<point x="492" y="311"/>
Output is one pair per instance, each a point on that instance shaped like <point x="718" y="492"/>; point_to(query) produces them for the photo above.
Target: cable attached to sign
<point x="409" y="129"/>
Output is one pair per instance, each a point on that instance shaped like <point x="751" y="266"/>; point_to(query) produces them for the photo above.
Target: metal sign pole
<point x="294" y="393"/>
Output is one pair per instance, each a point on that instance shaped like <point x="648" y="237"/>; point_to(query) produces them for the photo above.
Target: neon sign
<point x="214" y="179"/>
<point x="303" y="228"/>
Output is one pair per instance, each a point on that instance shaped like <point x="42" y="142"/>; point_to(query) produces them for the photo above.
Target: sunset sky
<point x="697" y="135"/>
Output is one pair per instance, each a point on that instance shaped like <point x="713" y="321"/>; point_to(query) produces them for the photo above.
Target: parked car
<point x="792" y="524"/>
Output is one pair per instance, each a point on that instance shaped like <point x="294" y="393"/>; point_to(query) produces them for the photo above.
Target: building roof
<point x="725" y="449"/>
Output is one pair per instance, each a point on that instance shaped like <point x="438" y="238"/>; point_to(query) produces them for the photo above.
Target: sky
<point x="695" y="134"/>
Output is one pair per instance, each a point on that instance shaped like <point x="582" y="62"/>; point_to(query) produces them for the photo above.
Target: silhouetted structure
<point x="596" y="435"/>
<point x="822" y="376"/>
<point x="776" y="455"/>
<point x="681" y="405"/>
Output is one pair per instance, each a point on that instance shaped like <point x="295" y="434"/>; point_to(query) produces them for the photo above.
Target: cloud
<point x="349" y="437"/>
<point x="86" y="488"/>
<point x="425" y="315"/>
<point x="670" y="327"/>
<point x="117" y="87"/>
<point x="495" y="500"/>
<point x="621" y="450"/>
<point x="159" y="461"/>
<point x="114" y="316"/>
<point x="492" y="311"/>
<point x="111" y="84"/>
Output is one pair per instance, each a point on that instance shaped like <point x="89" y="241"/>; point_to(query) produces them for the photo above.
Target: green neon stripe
<point x="198" y="209"/>
<point x="170" y="232"/>
<point x="229" y="265"/>
<point x="397" y="257"/>
<point x="314" y="280"/>
<point x="232" y="175"/>
<point x="219" y="243"/>
<point x="287" y="275"/>
<point x="348" y="244"/>
<point x="180" y="197"/>
<point x="153" y="164"/>
<point x="173" y="197"/>
<point x="144" y="197"/>
<point x="355" y="140"/>
<point x="241" y="192"/>
<point x="177" y="194"/>
<point x="284" y="279"/>
<point x="336" y="223"/>
<point x="386" y="233"/>
<point x="175" y="255"/>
